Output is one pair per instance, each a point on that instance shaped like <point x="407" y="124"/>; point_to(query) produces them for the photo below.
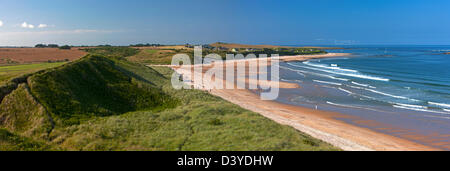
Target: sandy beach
<point x="319" y="124"/>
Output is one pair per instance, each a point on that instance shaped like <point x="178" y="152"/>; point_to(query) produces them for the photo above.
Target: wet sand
<point x="319" y="124"/>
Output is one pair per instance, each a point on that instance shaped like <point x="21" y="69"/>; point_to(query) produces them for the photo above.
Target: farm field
<point x="37" y="55"/>
<point x="12" y="71"/>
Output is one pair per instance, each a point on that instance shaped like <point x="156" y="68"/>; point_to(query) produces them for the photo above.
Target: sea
<point x="403" y="91"/>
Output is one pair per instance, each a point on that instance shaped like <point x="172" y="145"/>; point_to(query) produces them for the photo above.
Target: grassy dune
<point x="200" y="122"/>
<point x="155" y="56"/>
<point x="108" y="103"/>
<point x="94" y="86"/>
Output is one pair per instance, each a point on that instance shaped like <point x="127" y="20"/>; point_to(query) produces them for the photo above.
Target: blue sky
<point x="283" y="22"/>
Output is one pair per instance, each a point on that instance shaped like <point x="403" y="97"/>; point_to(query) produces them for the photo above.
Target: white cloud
<point x="42" y="25"/>
<point x="26" y="25"/>
<point x="1" y="23"/>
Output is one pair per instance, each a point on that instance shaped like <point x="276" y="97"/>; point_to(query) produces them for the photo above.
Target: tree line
<point x="66" y="47"/>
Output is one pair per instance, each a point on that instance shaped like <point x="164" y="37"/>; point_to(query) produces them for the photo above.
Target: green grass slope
<point x="93" y="86"/>
<point x="201" y="122"/>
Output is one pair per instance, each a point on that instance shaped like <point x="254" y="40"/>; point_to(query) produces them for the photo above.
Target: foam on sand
<point x="286" y="80"/>
<point x="360" y="84"/>
<point x="326" y="82"/>
<point x="344" y="90"/>
<point x="350" y="106"/>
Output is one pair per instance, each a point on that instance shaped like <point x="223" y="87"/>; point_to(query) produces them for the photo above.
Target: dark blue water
<point x="405" y="87"/>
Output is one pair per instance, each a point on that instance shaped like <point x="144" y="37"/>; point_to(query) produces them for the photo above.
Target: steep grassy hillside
<point x="201" y="122"/>
<point x="108" y="103"/>
<point x="94" y="86"/>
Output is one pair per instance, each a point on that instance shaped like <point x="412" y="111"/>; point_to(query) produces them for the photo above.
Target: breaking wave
<point x="342" y="72"/>
<point x="333" y="67"/>
<point x="439" y="104"/>
<point x="415" y="108"/>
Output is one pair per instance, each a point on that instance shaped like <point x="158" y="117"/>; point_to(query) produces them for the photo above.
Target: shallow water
<point x="401" y="91"/>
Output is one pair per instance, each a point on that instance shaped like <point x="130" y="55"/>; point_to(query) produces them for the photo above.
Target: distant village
<point x="220" y="48"/>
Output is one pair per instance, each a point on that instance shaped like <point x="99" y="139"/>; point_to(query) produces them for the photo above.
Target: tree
<point x="40" y="46"/>
<point x="65" y="47"/>
<point x="52" y="45"/>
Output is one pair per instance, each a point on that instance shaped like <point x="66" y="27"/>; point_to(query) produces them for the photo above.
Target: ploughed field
<point x="37" y="55"/>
